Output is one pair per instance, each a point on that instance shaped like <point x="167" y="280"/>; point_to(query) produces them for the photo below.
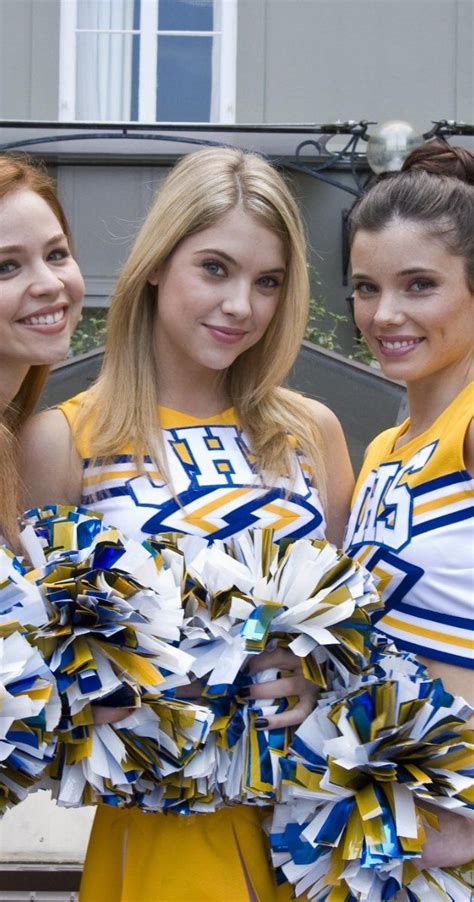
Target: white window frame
<point x="224" y="89"/>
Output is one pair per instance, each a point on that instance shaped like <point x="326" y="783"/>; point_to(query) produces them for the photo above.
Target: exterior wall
<point x="38" y="830"/>
<point x="105" y="206"/>
<point x="321" y="60"/>
<point x="321" y="206"/>
<point x="297" y="60"/>
<point x="29" y="59"/>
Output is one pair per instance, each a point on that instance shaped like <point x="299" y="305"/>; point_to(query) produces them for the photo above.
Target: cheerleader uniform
<point x="412" y="526"/>
<point x="218" y="492"/>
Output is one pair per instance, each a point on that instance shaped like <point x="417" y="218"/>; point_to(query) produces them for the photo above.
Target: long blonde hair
<point x="200" y="189"/>
<point x="21" y="174"/>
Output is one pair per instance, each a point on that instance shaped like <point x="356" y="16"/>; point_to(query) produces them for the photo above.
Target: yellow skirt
<point x="138" y="857"/>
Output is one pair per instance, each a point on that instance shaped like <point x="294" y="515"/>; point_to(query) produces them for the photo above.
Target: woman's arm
<point x="51" y="468"/>
<point x="339" y="473"/>
<point x="457" y="680"/>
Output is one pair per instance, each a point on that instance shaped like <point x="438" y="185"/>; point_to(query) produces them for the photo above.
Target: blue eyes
<point x="268" y="282"/>
<point x="214" y="268"/>
<point x="422" y="284"/>
<point x="7" y="267"/>
<point x="364" y="288"/>
<point x="58" y="254"/>
<point x="369" y="289"/>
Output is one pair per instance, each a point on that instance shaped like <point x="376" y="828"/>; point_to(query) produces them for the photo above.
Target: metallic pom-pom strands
<point x="29" y="712"/>
<point x="248" y="594"/>
<point x="349" y="787"/>
<point x="21" y="604"/>
<point x="113" y="619"/>
<point x="356" y="787"/>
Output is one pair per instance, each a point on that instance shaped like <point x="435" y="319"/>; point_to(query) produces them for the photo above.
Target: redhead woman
<point x="189" y="429"/>
<point x="412" y="514"/>
<point x="41" y="291"/>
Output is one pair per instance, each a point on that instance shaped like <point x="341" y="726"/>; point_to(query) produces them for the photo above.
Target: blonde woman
<point x="188" y="428"/>
<point x="41" y="291"/>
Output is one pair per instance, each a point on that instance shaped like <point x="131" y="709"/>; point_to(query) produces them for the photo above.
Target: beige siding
<point x="320" y="60"/>
<point x="297" y="60"/>
<point x="29" y="59"/>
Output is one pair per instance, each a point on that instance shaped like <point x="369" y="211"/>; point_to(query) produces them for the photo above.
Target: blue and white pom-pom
<point x="29" y="712"/>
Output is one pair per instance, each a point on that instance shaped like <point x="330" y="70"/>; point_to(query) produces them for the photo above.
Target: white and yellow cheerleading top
<point x="412" y="526"/>
<point x="218" y="490"/>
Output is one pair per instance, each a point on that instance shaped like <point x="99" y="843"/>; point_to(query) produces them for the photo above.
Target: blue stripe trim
<point x="464" y="623"/>
<point x="108" y="463"/>
<point x="243" y="517"/>
<point x="412" y="575"/>
<point x="433" y="653"/>
<point x="441" y="482"/>
<point x="457" y="517"/>
<point x="103" y="494"/>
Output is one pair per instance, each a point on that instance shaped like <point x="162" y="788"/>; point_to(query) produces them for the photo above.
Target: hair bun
<point x="439" y="158"/>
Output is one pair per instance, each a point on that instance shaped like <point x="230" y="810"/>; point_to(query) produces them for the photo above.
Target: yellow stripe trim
<point x="108" y="475"/>
<point x="365" y="553"/>
<point x="429" y="634"/>
<point x="384" y="579"/>
<point x="175" y="419"/>
<point x="285" y="516"/>
<point x="381" y="574"/>
<point x="442" y="502"/>
<point x="197" y="517"/>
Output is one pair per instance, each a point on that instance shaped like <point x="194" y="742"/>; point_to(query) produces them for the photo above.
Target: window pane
<point x="104" y="76"/>
<point x="185" y="15"/>
<point x="184" y="79"/>
<point x="106" y="14"/>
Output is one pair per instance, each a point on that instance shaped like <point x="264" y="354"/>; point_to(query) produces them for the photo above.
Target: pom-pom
<point x="249" y="594"/>
<point x="114" y="617"/>
<point x="20" y="601"/>
<point x="356" y="786"/>
<point x="29" y="712"/>
<point x="59" y="530"/>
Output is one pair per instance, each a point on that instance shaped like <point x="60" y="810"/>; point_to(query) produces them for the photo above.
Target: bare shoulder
<point x="47" y="427"/>
<point x="325" y="418"/>
<point x="51" y="467"/>
<point x="339" y="472"/>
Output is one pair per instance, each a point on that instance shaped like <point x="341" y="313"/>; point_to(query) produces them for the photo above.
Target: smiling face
<point x="41" y="288"/>
<point x="412" y="303"/>
<point x="216" y="295"/>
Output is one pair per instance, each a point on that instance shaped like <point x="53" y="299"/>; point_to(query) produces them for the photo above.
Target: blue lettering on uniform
<point x="383" y="513"/>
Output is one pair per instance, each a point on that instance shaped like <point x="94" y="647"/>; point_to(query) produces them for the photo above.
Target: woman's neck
<point x="428" y="398"/>
<point x="199" y="396"/>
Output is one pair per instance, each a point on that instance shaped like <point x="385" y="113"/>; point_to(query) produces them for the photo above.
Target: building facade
<point x="230" y="62"/>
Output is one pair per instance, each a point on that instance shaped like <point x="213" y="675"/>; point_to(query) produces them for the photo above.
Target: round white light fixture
<point x="389" y="144"/>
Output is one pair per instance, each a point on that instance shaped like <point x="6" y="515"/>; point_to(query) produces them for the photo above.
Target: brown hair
<point x="21" y="174"/>
<point x="434" y="189"/>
